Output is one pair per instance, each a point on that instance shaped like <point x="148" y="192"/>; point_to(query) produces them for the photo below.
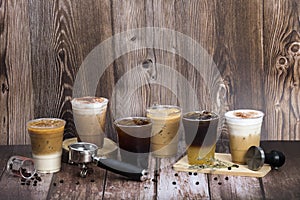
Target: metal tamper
<point x="256" y="157"/>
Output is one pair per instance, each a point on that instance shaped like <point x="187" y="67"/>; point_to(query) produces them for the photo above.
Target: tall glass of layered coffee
<point x="89" y="116"/>
<point x="201" y="130"/>
<point x="165" y="126"/>
<point x="46" y="135"/>
<point x="244" y="127"/>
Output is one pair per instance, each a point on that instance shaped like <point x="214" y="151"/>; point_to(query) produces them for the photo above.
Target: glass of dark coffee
<point x="200" y="129"/>
<point x="134" y="134"/>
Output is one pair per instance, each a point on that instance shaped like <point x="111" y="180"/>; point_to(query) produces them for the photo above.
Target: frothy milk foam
<point x="244" y="131"/>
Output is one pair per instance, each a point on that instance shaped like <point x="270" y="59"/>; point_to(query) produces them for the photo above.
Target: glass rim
<point x="135" y="117"/>
<point x="198" y="111"/>
<point x="157" y="107"/>
<point x="46" y="119"/>
<point x="92" y="105"/>
<point x="260" y="114"/>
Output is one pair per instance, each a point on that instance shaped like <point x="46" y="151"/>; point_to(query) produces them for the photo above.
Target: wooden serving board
<point x="241" y="170"/>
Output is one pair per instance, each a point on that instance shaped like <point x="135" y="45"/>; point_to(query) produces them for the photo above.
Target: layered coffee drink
<point x="46" y="136"/>
<point x="201" y="128"/>
<point x="244" y="128"/>
<point x="134" y="135"/>
<point x="89" y="116"/>
<point x="166" y="122"/>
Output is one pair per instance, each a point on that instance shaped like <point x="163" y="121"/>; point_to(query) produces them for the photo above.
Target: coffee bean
<point x="215" y="178"/>
<point x="229" y="168"/>
<point x="226" y="178"/>
<point x="92" y="180"/>
<point x="175" y="174"/>
<point x="219" y="183"/>
<point x="195" y="173"/>
<point x="77" y="183"/>
<point x="190" y="173"/>
<point x="197" y="183"/>
<point x="61" y="181"/>
<point x="54" y="184"/>
<point x="174" y="183"/>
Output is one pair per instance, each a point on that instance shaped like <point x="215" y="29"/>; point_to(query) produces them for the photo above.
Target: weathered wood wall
<point x="254" y="44"/>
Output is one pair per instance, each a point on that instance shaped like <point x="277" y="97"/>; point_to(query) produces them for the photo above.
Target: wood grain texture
<point x="15" y="73"/>
<point x="11" y="187"/>
<point x="167" y="183"/>
<point x="67" y="184"/>
<point x="272" y="180"/>
<point x="281" y="69"/>
<point x="254" y="44"/>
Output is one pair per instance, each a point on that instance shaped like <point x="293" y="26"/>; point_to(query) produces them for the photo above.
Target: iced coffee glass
<point x="46" y="135"/>
<point x="201" y="130"/>
<point x="134" y="135"/>
<point x="89" y="116"/>
<point x="165" y="125"/>
<point x="244" y="128"/>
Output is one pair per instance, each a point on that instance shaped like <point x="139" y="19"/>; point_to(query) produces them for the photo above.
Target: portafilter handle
<point x="125" y="169"/>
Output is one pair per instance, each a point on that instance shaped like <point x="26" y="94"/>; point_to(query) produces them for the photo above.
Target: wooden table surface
<point x="164" y="183"/>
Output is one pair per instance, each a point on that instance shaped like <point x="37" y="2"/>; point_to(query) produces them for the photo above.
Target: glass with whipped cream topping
<point x="244" y="128"/>
<point x="89" y="117"/>
<point x="165" y="126"/>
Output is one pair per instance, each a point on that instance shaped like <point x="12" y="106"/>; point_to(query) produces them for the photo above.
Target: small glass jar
<point x="21" y="166"/>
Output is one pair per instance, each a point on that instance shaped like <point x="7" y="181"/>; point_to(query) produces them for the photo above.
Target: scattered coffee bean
<point x="229" y="168"/>
<point x="92" y="180"/>
<point x="226" y="178"/>
<point x="54" y="184"/>
<point x="77" y="183"/>
<point x="197" y="183"/>
<point x="190" y="173"/>
<point x="237" y="166"/>
<point x="28" y="183"/>
<point x="174" y="183"/>
<point x="61" y="181"/>
<point x="215" y="178"/>
<point x="23" y="179"/>
<point x="195" y="173"/>
<point x="153" y="180"/>
<point x="38" y="178"/>
<point x="34" y="184"/>
<point x="219" y="183"/>
<point x="175" y="174"/>
<point x="23" y="183"/>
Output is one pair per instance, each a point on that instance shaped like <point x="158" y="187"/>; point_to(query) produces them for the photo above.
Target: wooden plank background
<point x="255" y="46"/>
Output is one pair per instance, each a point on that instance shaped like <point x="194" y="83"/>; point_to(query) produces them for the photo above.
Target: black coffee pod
<point x="256" y="157"/>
